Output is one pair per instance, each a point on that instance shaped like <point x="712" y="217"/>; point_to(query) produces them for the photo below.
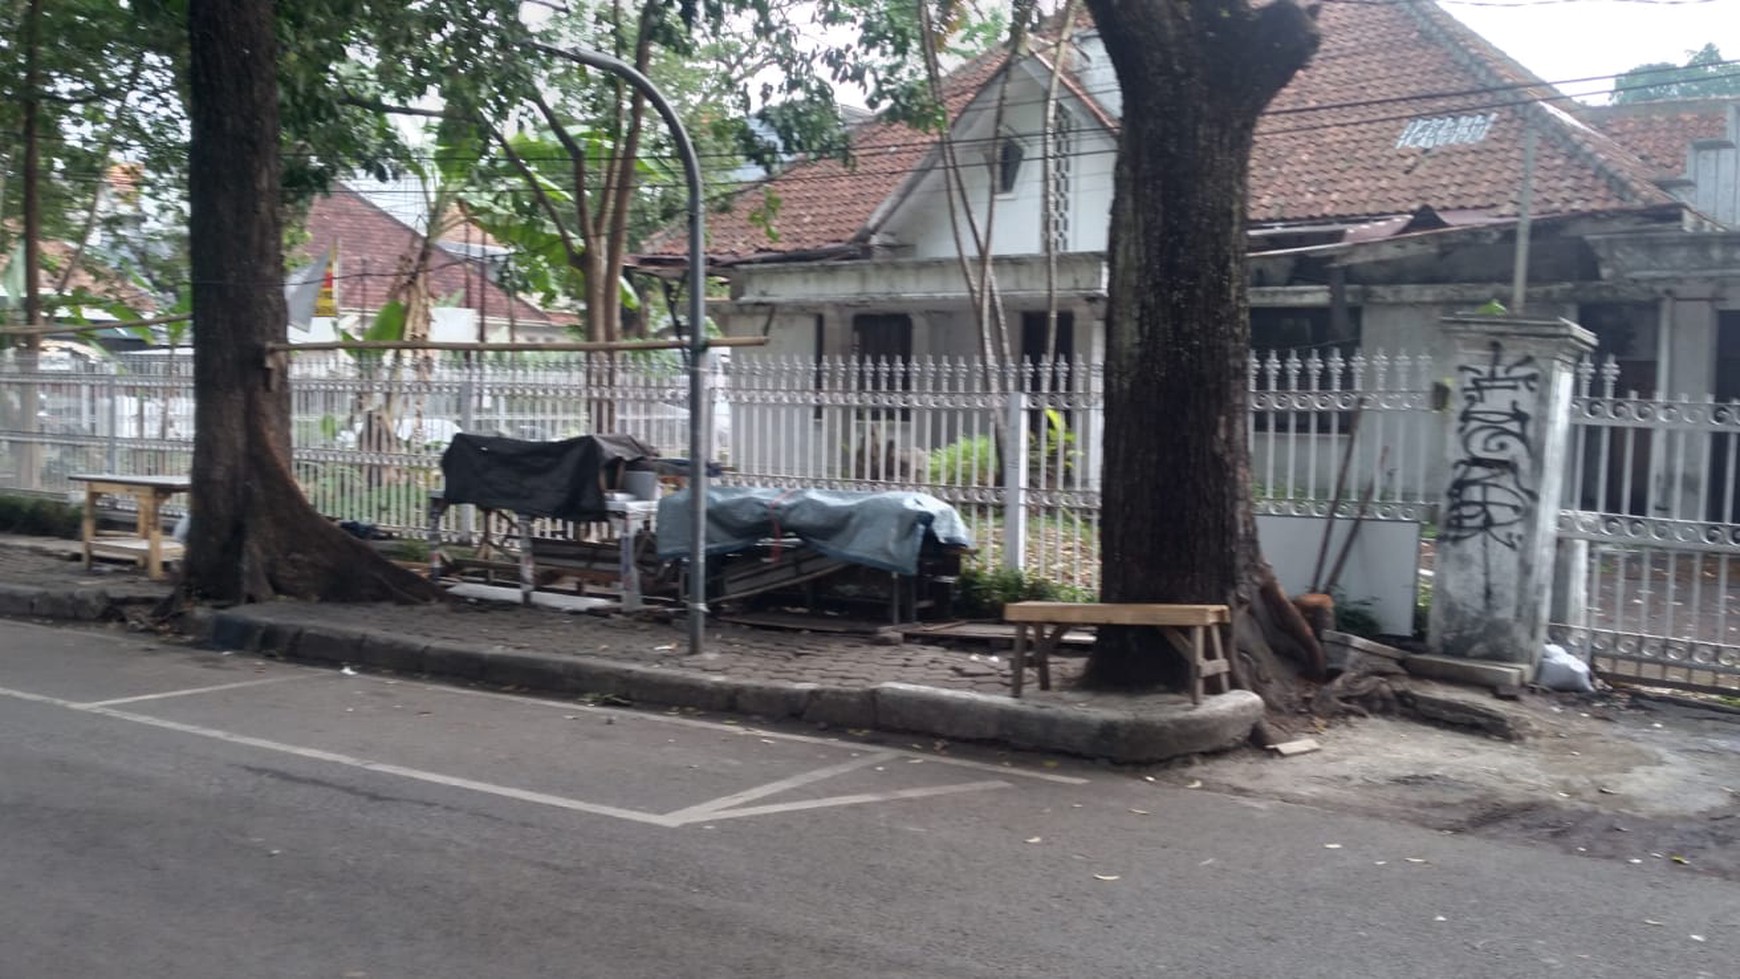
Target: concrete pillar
<point x="1509" y="418"/>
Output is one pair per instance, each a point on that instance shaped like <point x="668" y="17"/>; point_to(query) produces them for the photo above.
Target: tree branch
<point x="577" y="164"/>
<point x="575" y="256"/>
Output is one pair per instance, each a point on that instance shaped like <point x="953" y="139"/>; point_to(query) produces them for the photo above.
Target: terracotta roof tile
<point x="1326" y="149"/>
<point x="1317" y="156"/>
<point x="374" y="248"/>
<point x="1662" y="133"/>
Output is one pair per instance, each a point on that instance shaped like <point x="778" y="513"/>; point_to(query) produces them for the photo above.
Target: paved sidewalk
<point x="818" y="677"/>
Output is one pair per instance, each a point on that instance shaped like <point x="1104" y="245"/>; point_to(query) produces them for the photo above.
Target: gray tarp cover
<point x="878" y="530"/>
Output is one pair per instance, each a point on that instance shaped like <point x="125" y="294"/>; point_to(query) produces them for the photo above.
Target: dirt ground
<point x="1617" y="775"/>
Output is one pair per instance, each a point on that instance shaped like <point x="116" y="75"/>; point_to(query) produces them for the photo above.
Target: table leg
<point x="1047" y="646"/>
<point x="89" y="528"/>
<point x="627" y="571"/>
<point x="528" y="571"/>
<point x="151" y="528"/>
<point x="1018" y="660"/>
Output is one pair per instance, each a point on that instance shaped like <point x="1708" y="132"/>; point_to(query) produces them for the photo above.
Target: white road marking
<point x="194" y="690"/>
<point x="707" y="811"/>
<point x="783" y="785"/>
<point x="696" y="722"/>
<point x="848" y="800"/>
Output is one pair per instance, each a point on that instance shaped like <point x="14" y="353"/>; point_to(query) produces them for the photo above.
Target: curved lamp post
<point x="700" y="407"/>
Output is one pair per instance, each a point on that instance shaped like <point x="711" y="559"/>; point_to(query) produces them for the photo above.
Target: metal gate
<point x="1648" y="538"/>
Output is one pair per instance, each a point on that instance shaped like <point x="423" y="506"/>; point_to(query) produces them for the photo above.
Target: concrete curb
<point x="1132" y="735"/>
<point x="71" y="604"/>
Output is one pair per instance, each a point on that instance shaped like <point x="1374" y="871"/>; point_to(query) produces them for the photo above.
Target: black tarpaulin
<point x="566" y="480"/>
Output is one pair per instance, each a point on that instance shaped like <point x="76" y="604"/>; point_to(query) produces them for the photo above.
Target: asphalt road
<point x="174" y="813"/>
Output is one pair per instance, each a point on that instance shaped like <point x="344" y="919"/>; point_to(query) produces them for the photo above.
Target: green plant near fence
<point x="984" y="591"/>
<point x="34" y="516"/>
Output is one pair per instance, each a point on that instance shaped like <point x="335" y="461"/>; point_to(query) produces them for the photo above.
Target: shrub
<point x="984" y="591"/>
<point x="34" y="516"/>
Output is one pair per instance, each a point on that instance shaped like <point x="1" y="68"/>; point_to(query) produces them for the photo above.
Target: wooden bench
<point x="1193" y="630"/>
<point x="149" y="493"/>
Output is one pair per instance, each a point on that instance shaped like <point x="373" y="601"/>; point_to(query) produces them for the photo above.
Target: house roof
<point x="824" y="202"/>
<point x="374" y="249"/>
<point x="1403" y="107"/>
<point x="1662" y="133"/>
<point x="89" y="276"/>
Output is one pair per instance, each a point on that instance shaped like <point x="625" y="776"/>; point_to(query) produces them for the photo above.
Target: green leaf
<point x="389" y="324"/>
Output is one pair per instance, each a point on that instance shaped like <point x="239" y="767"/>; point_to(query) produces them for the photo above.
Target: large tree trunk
<point x="1177" y="518"/>
<point x="252" y="534"/>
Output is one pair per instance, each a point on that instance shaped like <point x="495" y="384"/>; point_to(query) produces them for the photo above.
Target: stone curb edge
<point x="74" y="604"/>
<point x="1220" y="722"/>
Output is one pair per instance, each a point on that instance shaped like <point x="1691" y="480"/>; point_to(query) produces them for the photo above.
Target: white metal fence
<point x="369" y="431"/>
<point x="1652" y="513"/>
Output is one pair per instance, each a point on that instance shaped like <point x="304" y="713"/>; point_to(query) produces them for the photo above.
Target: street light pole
<point x="700" y="405"/>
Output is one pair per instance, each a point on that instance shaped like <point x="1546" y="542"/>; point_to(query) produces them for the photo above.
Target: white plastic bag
<point x="1560" y="670"/>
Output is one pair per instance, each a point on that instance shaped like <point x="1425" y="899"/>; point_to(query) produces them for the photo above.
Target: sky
<point x="1583" y="38"/>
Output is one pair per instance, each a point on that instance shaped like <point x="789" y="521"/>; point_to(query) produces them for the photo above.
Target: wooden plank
<point x="1091" y="613"/>
<point x="990" y="632"/>
<point x="1303" y="746"/>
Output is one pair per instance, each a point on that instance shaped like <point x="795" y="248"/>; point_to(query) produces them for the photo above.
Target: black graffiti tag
<point x="1489" y="494"/>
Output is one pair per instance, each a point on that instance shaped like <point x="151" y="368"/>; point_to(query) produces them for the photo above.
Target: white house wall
<point x="1713" y="168"/>
<point x="920" y="225"/>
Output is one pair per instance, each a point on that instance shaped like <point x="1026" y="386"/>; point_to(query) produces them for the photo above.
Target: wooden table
<point x="1192" y="629"/>
<point x="147" y="545"/>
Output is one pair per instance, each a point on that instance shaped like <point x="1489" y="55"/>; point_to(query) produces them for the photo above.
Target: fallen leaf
<point x="1634" y="860"/>
<point x="1415" y="859"/>
<point x="1034" y="839"/>
<point x="1194" y="783"/>
<point x="1439" y="917"/>
<point x="1695" y="938"/>
<point x="1147" y="778"/>
<point x="1141" y="812"/>
<point x="1332" y="846"/>
<point x="1379" y="863"/>
<point x="347" y="671"/>
<point x="1117" y="877"/>
<point x="1676" y="858"/>
<point x="1049" y="763"/>
<point x="766" y="740"/>
<point x="667" y="647"/>
<point x="1205" y="863"/>
<point x="1651" y="921"/>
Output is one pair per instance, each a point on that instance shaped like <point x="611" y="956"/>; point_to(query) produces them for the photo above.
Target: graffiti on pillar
<point x="1489" y="492"/>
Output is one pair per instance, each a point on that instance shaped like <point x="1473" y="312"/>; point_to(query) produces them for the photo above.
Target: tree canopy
<point x="1704" y="75"/>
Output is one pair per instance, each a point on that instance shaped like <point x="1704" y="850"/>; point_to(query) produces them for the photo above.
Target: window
<point x="1280" y="329"/>
<point x="1007" y="165"/>
<point x="1279" y="332"/>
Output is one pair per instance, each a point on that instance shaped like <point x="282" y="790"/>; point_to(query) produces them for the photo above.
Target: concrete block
<point x="234" y="629"/>
<point x="324" y="644"/>
<point x="960" y="715"/>
<point x="541" y="672"/>
<point x="1477" y="672"/>
<point x="17" y="599"/>
<point x="392" y="651"/>
<point x="52" y="603"/>
<point x="275" y="636"/>
<point x="1218" y="723"/>
<point x="1447" y="708"/>
<point x="589" y="675"/>
<point x="847" y="707"/>
<point x="650" y="685"/>
<point x="454" y="661"/>
<point x="1073" y="731"/>
<point x="773" y="698"/>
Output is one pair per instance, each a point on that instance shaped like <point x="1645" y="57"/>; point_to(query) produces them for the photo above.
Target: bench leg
<point x="528" y="571"/>
<point x="1196" y="664"/>
<point x="1018" y="660"/>
<point x="89" y="527"/>
<point x="151" y="526"/>
<point x="1048" y="643"/>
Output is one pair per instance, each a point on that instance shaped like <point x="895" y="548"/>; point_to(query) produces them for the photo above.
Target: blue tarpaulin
<point x="878" y="530"/>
